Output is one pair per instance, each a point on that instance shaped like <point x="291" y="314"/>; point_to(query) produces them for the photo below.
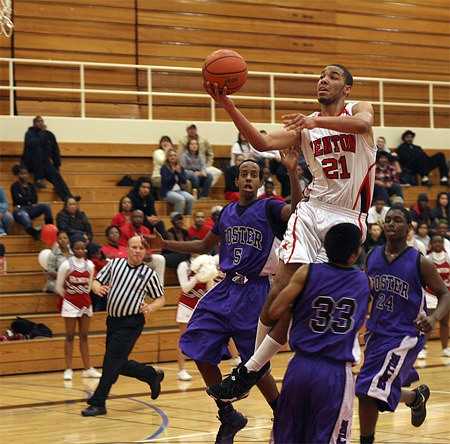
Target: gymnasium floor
<point x="42" y="408"/>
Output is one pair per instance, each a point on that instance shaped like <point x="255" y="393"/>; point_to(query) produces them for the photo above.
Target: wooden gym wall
<point x="405" y="39"/>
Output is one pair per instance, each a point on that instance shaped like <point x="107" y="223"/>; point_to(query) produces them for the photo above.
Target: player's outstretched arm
<point x="156" y="241"/>
<point x="276" y="140"/>
<point x="289" y="158"/>
<point x="286" y="297"/>
<point x="435" y="283"/>
<point x="360" y="123"/>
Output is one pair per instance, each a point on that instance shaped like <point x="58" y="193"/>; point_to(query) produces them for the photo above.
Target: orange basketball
<point x="226" y="68"/>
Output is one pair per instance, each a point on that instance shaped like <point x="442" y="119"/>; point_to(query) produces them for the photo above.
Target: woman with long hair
<point x="173" y="176"/>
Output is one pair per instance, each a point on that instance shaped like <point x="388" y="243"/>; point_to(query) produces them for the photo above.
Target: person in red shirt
<point x="114" y="249"/>
<point x="215" y="213"/>
<point x="269" y="191"/>
<point x="135" y="228"/>
<point x="123" y="217"/>
<point x="199" y="230"/>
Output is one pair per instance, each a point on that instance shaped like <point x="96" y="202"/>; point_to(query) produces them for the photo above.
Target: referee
<point x="127" y="282"/>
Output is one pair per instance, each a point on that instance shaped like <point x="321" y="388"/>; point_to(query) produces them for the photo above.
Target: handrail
<point x="270" y="97"/>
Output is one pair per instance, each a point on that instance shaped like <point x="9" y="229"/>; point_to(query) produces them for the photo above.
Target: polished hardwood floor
<point x="42" y="408"/>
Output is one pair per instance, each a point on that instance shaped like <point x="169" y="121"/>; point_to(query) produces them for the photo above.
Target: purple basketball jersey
<point x="398" y="292"/>
<point x="329" y="311"/>
<point x="248" y="237"/>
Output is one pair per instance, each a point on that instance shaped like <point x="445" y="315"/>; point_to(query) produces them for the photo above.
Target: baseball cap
<point x="175" y="215"/>
<point x="408" y="133"/>
<point x="191" y="125"/>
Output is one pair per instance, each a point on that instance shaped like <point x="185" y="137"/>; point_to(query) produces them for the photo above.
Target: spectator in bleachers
<point x="204" y="148"/>
<point x="386" y="182"/>
<point x="422" y="235"/>
<point x="194" y="165"/>
<point x="415" y="161"/>
<point x="441" y="214"/>
<point x="176" y="233"/>
<point x="42" y="157"/>
<point x="215" y="213"/>
<point x="442" y="229"/>
<point x="421" y="211"/>
<point x="123" y="217"/>
<point x="172" y="177"/>
<point x="159" y="159"/>
<point x="199" y="229"/>
<point x="113" y="249"/>
<point x="392" y="156"/>
<point x="266" y="177"/>
<point x="231" y="189"/>
<point x="413" y="242"/>
<point x="142" y="199"/>
<point x="269" y="188"/>
<point x="60" y="252"/>
<point x="241" y="146"/>
<point x="6" y="218"/>
<point x="136" y="228"/>
<point x="72" y="220"/>
<point x="25" y="202"/>
<point x="377" y="212"/>
<point x="374" y="238"/>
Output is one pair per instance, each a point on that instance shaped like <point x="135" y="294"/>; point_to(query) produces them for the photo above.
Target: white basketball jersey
<point x="342" y="166"/>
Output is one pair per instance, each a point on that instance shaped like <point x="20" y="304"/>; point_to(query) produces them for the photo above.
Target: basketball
<point x="226" y="68"/>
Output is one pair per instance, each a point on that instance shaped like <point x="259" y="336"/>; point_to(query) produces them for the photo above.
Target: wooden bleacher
<point x="406" y="39"/>
<point x="21" y="288"/>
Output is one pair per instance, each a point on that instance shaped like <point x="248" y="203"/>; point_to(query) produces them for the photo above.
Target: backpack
<point x="30" y="328"/>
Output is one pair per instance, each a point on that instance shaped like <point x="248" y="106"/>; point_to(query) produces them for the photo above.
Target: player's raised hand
<point x="219" y="96"/>
<point x="297" y="122"/>
<point x="290" y="157"/>
<point x="154" y="241"/>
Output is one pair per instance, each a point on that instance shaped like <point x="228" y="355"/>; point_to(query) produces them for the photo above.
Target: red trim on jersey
<point x="343" y="111"/>
<point x="294" y="237"/>
<point x="366" y="188"/>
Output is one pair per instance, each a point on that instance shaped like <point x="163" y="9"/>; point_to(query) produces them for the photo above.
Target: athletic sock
<point x="265" y="352"/>
<point x="367" y="439"/>
<point x="261" y="333"/>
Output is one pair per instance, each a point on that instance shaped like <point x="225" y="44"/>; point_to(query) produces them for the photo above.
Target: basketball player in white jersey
<point x="340" y="151"/>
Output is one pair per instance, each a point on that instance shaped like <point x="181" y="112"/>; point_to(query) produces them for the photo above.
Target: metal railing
<point x="271" y="97"/>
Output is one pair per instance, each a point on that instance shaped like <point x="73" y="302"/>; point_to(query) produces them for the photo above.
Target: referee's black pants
<point x="122" y="333"/>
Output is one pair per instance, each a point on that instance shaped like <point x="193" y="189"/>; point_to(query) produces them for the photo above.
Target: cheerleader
<point x="73" y="283"/>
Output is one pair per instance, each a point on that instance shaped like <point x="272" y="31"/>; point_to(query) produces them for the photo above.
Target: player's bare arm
<point x="286" y="297"/>
<point x="289" y="158"/>
<point x="276" y="140"/>
<point x="203" y="246"/>
<point x="435" y="283"/>
<point x="360" y="123"/>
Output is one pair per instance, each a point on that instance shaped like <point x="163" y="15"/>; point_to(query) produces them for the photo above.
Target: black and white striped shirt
<point x="129" y="286"/>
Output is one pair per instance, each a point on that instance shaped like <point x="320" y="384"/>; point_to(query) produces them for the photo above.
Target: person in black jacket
<point x="42" y="157"/>
<point x="71" y="220"/>
<point x="25" y="202"/>
<point x="142" y="199"/>
<point x="414" y="160"/>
